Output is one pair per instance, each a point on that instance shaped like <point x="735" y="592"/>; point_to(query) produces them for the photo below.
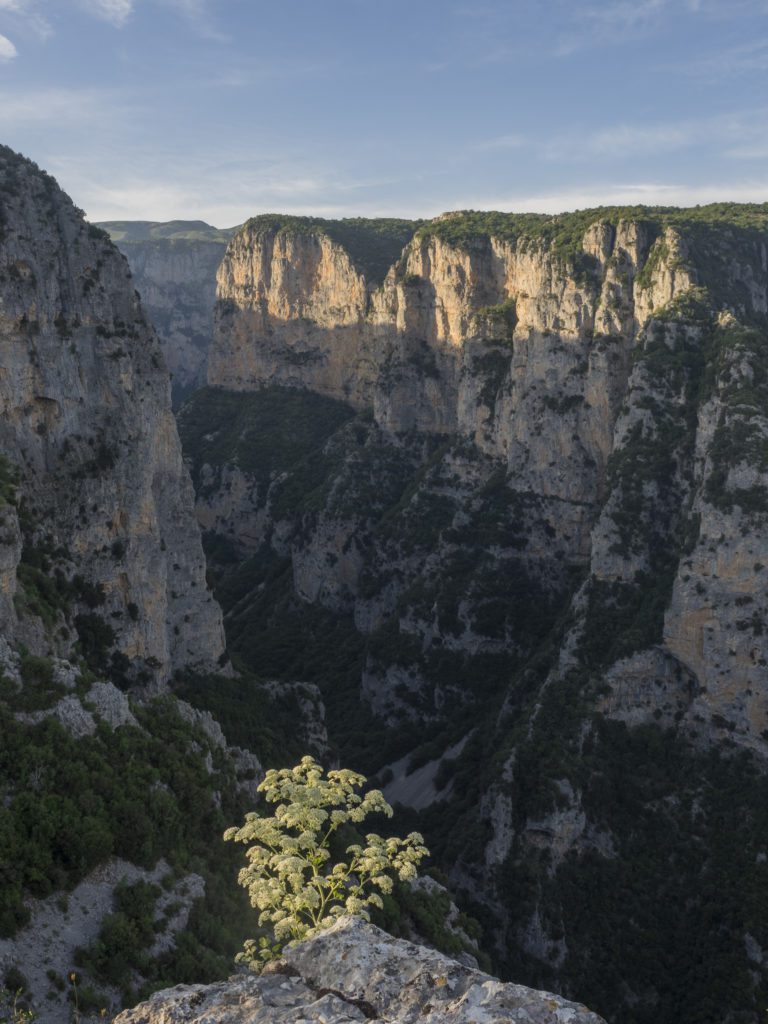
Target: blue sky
<point x="220" y="109"/>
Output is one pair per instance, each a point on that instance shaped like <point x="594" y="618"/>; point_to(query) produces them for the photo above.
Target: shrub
<point x="290" y="877"/>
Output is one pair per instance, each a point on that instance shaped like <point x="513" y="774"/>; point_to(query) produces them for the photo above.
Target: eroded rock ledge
<point x="356" y="972"/>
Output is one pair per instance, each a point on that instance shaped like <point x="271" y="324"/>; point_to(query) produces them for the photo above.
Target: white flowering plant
<point x="290" y="876"/>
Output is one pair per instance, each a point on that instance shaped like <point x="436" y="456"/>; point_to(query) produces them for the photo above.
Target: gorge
<point x="480" y="503"/>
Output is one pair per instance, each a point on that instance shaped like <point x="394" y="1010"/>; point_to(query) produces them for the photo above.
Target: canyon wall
<point x="174" y="268"/>
<point x="100" y="545"/>
<point x="563" y="371"/>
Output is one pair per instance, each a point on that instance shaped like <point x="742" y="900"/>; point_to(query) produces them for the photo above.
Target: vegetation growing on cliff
<point x="564" y="233"/>
<point x="248" y="430"/>
<point x="396" y="503"/>
<point x="70" y="804"/>
<point x="9" y="481"/>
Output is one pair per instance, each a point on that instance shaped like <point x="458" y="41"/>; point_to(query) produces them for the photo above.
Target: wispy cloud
<point x="197" y="13"/>
<point x="494" y="36"/>
<point x="729" y="9"/>
<point x="77" y="112"/>
<point x="25" y="15"/>
<point x="748" y="153"/>
<point x="500" y="143"/>
<point x="246" y="77"/>
<point x="162" y="185"/>
<point x="626" y="140"/>
<point x="573" y="26"/>
<point x="731" y="61"/>
<point x="116" y="12"/>
<point x="640" y="194"/>
<point x="609" y="23"/>
<point x="7" y="50"/>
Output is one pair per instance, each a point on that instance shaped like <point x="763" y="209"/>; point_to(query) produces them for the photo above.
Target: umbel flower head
<point x="290" y="877"/>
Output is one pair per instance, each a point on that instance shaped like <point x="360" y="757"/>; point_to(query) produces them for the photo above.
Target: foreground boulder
<point x="356" y="972"/>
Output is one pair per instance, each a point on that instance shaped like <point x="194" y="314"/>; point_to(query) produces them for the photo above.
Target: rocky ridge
<point x="355" y="972"/>
<point x="103" y="599"/>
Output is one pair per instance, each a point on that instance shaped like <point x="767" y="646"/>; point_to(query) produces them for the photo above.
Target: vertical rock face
<point x="174" y="270"/>
<point x="426" y="348"/>
<point x="557" y="364"/>
<point x="97" y="497"/>
<point x="305" y="301"/>
<point x="293" y="288"/>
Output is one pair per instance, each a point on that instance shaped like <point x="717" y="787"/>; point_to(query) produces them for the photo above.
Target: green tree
<point x="290" y="876"/>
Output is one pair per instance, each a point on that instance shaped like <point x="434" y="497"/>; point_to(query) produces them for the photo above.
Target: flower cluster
<point x="290" y="876"/>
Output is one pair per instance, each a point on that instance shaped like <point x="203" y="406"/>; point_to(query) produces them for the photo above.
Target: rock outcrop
<point x="99" y="543"/>
<point x="355" y="972"/>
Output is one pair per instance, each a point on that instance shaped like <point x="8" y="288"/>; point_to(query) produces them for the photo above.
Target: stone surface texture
<point x="355" y="972"/>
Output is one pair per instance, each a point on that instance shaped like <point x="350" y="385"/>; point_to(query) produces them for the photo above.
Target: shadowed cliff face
<point x="176" y="281"/>
<point x="513" y="494"/>
<point x="174" y="268"/>
<point x="99" y="541"/>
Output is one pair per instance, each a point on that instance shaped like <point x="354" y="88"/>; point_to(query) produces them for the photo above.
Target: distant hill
<point x="150" y="230"/>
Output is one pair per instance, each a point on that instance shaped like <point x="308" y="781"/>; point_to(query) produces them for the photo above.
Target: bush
<point x="290" y="878"/>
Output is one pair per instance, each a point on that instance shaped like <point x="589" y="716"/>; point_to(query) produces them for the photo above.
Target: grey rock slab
<point x="356" y="972"/>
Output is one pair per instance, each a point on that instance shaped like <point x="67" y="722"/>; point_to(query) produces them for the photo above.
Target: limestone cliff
<point x="174" y="270"/>
<point x="99" y="545"/>
<point x="531" y="356"/>
<point x="302" y="288"/>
